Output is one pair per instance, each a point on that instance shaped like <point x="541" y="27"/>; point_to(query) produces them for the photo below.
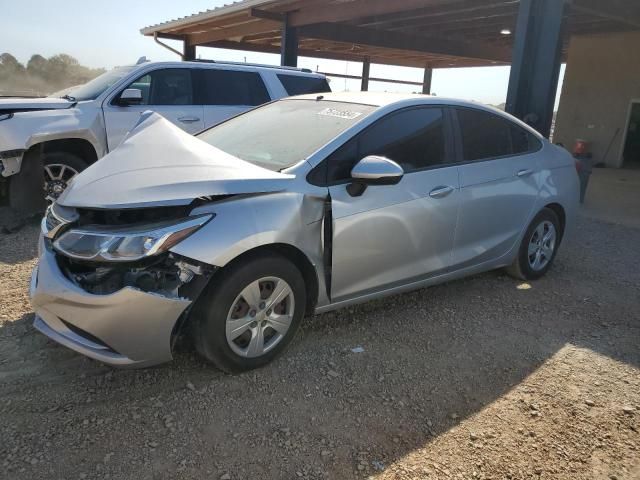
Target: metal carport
<point x="531" y="35"/>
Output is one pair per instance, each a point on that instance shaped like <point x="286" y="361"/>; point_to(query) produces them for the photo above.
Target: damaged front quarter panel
<point x="244" y="223"/>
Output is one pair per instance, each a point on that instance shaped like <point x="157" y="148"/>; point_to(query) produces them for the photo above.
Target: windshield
<point x="282" y="133"/>
<point x="92" y="90"/>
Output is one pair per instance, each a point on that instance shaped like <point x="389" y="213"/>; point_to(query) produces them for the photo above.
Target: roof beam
<point x="380" y="57"/>
<point x="622" y="11"/>
<point x="242" y="30"/>
<point x="402" y="41"/>
<point x="357" y="9"/>
<point x="268" y="15"/>
<point x="461" y="9"/>
<point x="170" y="36"/>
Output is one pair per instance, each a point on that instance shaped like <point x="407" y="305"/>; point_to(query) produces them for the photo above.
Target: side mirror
<point x="131" y="96"/>
<point x="374" y="170"/>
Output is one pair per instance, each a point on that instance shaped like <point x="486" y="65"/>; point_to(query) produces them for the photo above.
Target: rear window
<point x="229" y="87"/>
<point x="301" y="85"/>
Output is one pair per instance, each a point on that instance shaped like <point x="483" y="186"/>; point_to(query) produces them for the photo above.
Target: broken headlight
<point x="127" y="244"/>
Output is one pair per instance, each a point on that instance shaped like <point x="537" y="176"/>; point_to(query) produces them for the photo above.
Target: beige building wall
<point x="601" y="80"/>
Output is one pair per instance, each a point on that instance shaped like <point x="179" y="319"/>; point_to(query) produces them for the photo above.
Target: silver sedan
<point x="301" y="206"/>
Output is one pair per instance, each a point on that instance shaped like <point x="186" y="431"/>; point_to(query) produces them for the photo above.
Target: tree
<point x="37" y="65"/>
<point x="10" y="66"/>
<point x="42" y="76"/>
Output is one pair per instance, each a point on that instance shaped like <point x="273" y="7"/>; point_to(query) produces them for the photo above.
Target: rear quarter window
<point x="301" y="85"/>
<point x="231" y="87"/>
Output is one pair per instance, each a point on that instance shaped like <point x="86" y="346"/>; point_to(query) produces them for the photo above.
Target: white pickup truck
<point x="59" y="136"/>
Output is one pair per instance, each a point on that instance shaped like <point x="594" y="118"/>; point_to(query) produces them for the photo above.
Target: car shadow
<point x="423" y="362"/>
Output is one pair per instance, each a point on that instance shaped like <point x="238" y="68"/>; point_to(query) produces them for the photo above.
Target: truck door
<point x="167" y="91"/>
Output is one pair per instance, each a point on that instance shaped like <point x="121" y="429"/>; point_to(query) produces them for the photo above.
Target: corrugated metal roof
<point x="206" y="15"/>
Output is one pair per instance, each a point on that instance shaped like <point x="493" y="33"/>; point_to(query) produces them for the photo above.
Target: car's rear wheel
<point x="59" y="169"/>
<point x="250" y="313"/>
<point x="538" y="248"/>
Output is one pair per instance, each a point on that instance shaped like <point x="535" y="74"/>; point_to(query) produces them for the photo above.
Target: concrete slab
<point x="613" y="196"/>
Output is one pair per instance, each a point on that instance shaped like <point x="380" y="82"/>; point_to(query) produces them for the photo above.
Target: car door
<point x="167" y="91"/>
<point x="499" y="185"/>
<point x="394" y="234"/>
<point x="226" y="93"/>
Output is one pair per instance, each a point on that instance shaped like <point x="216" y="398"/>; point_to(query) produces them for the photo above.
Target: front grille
<point x="130" y="216"/>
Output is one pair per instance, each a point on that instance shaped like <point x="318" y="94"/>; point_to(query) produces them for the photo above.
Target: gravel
<point x="483" y="378"/>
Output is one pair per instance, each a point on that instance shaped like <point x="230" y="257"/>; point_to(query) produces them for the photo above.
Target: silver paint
<point x="435" y="225"/>
<point x="376" y="168"/>
<point x="135" y="324"/>
<point x="174" y="171"/>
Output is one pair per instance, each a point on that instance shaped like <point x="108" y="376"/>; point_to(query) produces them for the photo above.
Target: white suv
<point x="69" y="131"/>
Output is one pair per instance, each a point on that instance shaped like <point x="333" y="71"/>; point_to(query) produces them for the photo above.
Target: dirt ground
<point x="485" y="378"/>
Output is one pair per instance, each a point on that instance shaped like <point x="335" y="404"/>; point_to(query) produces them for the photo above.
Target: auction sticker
<point x="334" y="112"/>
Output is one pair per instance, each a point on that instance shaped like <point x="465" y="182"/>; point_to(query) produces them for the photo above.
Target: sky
<point x="107" y="34"/>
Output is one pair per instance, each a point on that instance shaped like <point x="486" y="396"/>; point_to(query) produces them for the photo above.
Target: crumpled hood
<point x="158" y="164"/>
<point x="17" y="104"/>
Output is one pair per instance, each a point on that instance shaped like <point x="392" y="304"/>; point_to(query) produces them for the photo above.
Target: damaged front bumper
<point x="129" y="327"/>
<point x="10" y="162"/>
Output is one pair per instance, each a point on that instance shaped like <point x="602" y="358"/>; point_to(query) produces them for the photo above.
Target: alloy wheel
<point x="260" y="317"/>
<point x="542" y="245"/>
<point x="56" y="179"/>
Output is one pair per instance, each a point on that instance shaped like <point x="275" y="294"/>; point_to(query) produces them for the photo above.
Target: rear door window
<point x="231" y="87"/>
<point x="483" y="135"/>
<point x="486" y="135"/>
<point x="301" y="85"/>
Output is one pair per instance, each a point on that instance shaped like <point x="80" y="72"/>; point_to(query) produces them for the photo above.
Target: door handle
<point x="188" y="119"/>
<point x="524" y="173"/>
<point x="440" y="192"/>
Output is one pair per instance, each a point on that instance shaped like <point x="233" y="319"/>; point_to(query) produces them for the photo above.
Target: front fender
<point x="27" y="129"/>
<point x="243" y="223"/>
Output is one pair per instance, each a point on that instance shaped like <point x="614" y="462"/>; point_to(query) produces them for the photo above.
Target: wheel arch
<point x="561" y="214"/>
<point x="77" y="146"/>
<point x="299" y="259"/>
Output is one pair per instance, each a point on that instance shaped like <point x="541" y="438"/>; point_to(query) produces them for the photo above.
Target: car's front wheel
<point x="250" y="313"/>
<point x="538" y="248"/>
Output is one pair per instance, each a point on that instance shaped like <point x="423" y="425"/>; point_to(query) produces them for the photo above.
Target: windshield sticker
<point x="334" y="112"/>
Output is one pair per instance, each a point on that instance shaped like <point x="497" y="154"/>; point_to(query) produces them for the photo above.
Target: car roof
<point x="383" y="99"/>
<point x="376" y="99"/>
<point x="233" y="65"/>
<point x="399" y="100"/>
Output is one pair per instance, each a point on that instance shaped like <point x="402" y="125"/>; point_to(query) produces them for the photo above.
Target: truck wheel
<point x="59" y="168"/>
<point x="249" y="314"/>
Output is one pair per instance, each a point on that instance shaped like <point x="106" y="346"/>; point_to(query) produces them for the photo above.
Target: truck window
<point x="169" y="86"/>
<point x="300" y="85"/>
<point x="232" y="87"/>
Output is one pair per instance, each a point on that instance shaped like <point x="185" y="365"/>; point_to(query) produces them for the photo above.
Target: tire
<point x="214" y="328"/>
<point x="62" y="165"/>
<point x="543" y="236"/>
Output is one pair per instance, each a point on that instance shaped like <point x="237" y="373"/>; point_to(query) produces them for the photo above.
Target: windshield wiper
<point x="69" y="97"/>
